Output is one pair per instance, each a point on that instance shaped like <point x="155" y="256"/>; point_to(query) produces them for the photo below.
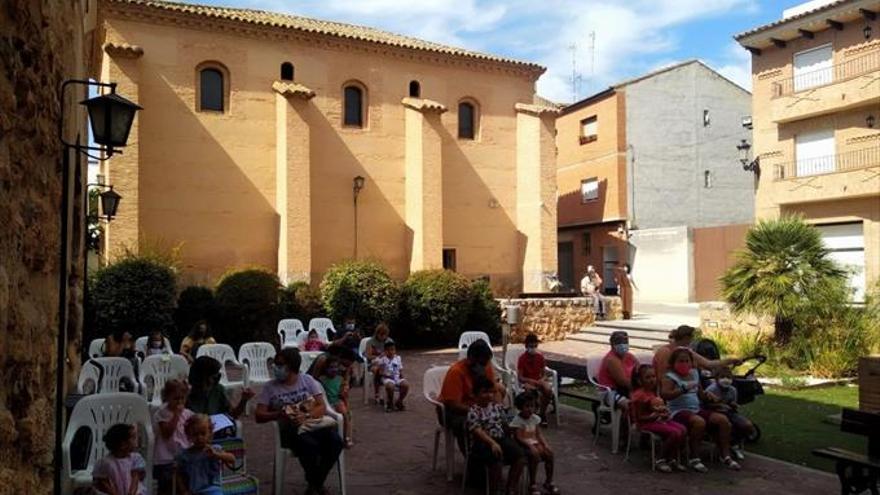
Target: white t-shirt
<point x="390" y="367"/>
<point x="530" y="425"/>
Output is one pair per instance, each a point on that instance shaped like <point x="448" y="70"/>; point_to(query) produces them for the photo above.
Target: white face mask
<point x="532" y="350"/>
<point x="725" y="382"/>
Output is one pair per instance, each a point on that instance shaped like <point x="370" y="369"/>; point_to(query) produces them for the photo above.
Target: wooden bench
<point x="857" y="472"/>
<point x="579" y="373"/>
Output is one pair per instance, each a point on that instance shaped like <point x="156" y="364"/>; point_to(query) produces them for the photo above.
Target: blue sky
<point x="632" y="36"/>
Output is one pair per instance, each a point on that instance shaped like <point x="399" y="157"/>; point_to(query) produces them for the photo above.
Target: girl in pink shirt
<point x="122" y="472"/>
<point x="169" y="423"/>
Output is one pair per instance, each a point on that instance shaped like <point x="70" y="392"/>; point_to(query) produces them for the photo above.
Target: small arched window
<point x="211" y="89"/>
<point x="467" y="120"/>
<point x="287" y="71"/>
<point x="415" y="89"/>
<point x="353" y="98"/>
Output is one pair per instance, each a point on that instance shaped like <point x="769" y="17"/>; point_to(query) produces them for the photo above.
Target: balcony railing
<point x="842" y="162"/>
<point x="823" y="77"/>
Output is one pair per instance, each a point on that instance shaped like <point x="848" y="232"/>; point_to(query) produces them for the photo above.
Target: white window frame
<point x="813" y="78"/>
<point x="589" y="190"/>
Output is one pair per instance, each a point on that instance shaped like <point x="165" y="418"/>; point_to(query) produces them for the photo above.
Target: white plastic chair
<point x="654" y="439"/>
<point x="288" y="331"/>
<point x="140" y="346"/>
<point x="256" y="356"/>
<point x="282" y="454"/>
<point x="158" y="369"/>
<point x="115" y="370"/>
<point x="593" y="365"/>
<point x="322" y="326"/>
<point x="368" y="373"/>
<point x="467" y="338"/>
<point x="98" y="413"/>
<point x="513" y="355"/>
<point x="225" y="355"/>
<point x="308" y="357"/>
<point x="432" y="382"/>
<point x="96" y="348"/>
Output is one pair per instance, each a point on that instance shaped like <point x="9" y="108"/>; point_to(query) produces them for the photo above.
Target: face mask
<point x="332" y="371"/>
<point x="349" y="326"/>
<point x="156" y="345"/>
<point x="532" y="350"/>
<point x="725" y="382"/>
<point x="683" y="369"/>
<point x="621" y="349"/>
<point x="280" y="372"/>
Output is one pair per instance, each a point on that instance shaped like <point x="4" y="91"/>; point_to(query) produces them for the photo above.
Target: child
<point x="171" y="438"/>
<point x="123" y="471"/>
<point x="336" y="390"/>
<point x="198" y="467"/>
<point x="651" y="414"/>
<point x="530" y="372"/>
<point x="391" y="369"/>
<point x="491" y="444"/>
<point x="526" y="431"/>
<point x="313" y="342"/>
<point x="374" y="350"/>
<point x="726" y="395"/>
<point x="156" y="343"/>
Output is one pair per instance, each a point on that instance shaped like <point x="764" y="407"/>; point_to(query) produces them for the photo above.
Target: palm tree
<point x="783" y="270"/>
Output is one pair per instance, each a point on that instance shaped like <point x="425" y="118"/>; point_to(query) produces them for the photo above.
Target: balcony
<point x="851" y="84"/>
<point x="842" y="162"/>
<point x="855" y="174"/>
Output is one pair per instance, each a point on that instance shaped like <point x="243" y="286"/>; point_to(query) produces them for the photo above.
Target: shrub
<point x="135" y="294"/>
<point x="302" y="301"/>
<point x="193" y="304"/>
<point x="485" y="314"/>
<point x="362" y="289"/>
<point x="247" y="307"/>
<point x="436" y="304"/>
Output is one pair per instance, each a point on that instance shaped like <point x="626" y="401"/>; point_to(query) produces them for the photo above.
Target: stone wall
<point x="716" y="316"/>
<point x="556" y="318"/>
<point x="41" y="45"/>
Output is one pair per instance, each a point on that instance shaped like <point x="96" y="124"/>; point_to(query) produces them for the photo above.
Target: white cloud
<point x="736" y="65"/>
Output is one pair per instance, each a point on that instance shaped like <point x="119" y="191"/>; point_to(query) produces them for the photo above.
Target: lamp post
<point x="111" y="117"/>
<point x="357" y="185"/>
<point x="747" y="164"/>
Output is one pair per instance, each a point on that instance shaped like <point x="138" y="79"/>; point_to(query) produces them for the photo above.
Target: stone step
<point x="640" y="344"/>
<point x="636" y="325"/>
<point x="656" y="337"/>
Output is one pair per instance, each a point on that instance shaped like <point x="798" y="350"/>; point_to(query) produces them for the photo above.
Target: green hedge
<point x="302" y="301"/>
<point x="247" y="307"/>
<point x="194" y="303"/>
<point x="436" y="304"/>
<point x="135" y="294"/>
<point x="362" y="289"/>
<point x="485" y="314"/>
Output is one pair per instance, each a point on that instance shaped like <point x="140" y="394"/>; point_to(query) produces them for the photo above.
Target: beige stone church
<point x="256" y="125"/>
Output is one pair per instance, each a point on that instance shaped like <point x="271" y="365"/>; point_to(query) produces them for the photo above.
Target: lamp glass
<point x="109" y="203"/>
<point x="358" y="182"/>
<point x="867" y="31"/>
<point x="111" y="117"/>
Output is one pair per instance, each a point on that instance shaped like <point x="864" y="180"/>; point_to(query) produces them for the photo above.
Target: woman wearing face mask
<point x="616" y="370"/>
<point x="294" y="399"/>
<point x="199" y="334"/>
<point x="683" y="336"/>
<point x="207" y="395"/>
<point x="683" y="393"/>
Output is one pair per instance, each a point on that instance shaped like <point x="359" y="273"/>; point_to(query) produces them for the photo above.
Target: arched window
<point x="467" y="120"/>
<point x="353" y="97"/>
<point x="415" y="89"/>
<point x="211" y="89"/>
<point x="287" y="71"/>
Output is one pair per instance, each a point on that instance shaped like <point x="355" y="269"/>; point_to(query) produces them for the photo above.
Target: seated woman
<point x="207" y="395"/>
<point x="683" y="336"/>
<point x="616" y="370"/>
<point x="296" y="401"/>
<point x="199" y="335"/>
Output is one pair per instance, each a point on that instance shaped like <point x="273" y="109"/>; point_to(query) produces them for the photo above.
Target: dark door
<point x="565" y="258"/>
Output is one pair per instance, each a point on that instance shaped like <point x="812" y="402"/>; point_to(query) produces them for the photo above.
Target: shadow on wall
<point x="571" y="209"/>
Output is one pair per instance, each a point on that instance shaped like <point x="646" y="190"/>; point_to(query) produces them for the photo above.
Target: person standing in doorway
<point x="591" y="286"/>
<point x="625" y="286"/>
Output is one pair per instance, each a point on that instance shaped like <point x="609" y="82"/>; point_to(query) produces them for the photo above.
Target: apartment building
<point x="643" y="163"/>
<point x="816" y="117"/>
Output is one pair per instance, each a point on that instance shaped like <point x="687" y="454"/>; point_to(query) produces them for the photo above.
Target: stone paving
<point x="393" y="451"/>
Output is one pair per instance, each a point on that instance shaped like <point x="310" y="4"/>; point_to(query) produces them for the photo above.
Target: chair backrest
<point x="140" y="345"/>
<point x="98" y="413"/>
<point x="257" y="355"/>
<point x="468" y="338"/>
<point x="307" y="359"/>
<point x="594" y="363"/>
<point x="96" y="348"/>
<point x="362" y="347"/>
<point x="288" y="330"/>
<point x="223" y="353"/>
<point x="107" y="374"/>
<point x="322" y="325"/>
<point x="432" y="381"/>
<point x="512" y="358"/>
<point x="158" y="369"/>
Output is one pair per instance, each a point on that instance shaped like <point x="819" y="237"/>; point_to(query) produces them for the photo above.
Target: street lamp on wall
<point x="357" y="186"/>
<point x="109" y="201"/>
<point x="110" y="116"/>
<point x="747" y="164"/>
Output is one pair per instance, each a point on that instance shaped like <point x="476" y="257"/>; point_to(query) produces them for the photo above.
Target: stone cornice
<point x="423" y="105"/>
<point x="538" y="110"/>
<point x="289" y="89"/>
<point x="185" y="20"/>
<point x="123" y="50"/>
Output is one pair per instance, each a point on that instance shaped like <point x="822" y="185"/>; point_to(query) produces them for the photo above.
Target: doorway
<point x="565" y="257"/>
<point x="609" y="264"/>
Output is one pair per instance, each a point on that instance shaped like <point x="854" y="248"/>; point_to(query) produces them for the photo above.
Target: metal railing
<point x="823" y="77"/>
<point x="841" y="162"/>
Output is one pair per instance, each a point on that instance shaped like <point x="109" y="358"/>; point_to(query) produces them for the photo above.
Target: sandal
<point x="348" y="443"/>
<point x="674" y="464"/>
<point x="400" y="406"/>
<point x="551" y="488"/>
<point x="534" y="490"/>
<point x="697" y="465"/>
<point x="662" y="466"/>
<point x="731" y="464"/>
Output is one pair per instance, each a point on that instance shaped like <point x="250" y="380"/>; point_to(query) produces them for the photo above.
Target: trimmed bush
<point x="135" y="294"/>
<point x="302" y="301"/>
<point x="436" y="304"/>
<point x="247" y="307"/>
<point x="193" y="304"/>
<point x="485" y="315"/>
<point x="362" y="289"/>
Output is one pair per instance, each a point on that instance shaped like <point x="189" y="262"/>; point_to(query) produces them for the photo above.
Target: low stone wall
<point x="556" y="318"/>
<point x="716" y="316"/>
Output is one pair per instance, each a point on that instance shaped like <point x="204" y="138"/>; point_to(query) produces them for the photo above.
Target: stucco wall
<point x="671" y="150"/>
<point x="209" y="180"/>
<point x="662" y="261"/>
<point x="42" y="44"/>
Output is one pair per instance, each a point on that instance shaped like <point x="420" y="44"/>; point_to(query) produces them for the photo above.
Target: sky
<point x="631" y="36"/>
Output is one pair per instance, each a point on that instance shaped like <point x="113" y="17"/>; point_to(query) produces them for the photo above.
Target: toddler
<point x="391" y="369"/>
<point x="122" y="472"/>
<point x="651" y="415"/>
<point x="526" y="431"/>
<point x="198" y="467"/>
<point x="492" y="446"/>
<point x="313" y="342"/>
<point x="725" y="395"/>
<point x="156" y="343"/>
<point x="168" y="423"/>
<point x="336" y="390"/>
<point x="530" y="373"/>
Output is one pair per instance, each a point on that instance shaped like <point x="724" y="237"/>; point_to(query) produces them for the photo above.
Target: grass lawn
<point x="793" y="423"/>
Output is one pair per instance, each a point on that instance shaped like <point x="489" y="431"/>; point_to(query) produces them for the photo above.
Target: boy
<point x="726" y="395"/>
<point x="391" y="368"/>
<point x="530" y="372"/>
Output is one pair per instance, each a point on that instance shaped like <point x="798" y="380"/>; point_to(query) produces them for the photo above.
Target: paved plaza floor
<point x="393" y="451"/>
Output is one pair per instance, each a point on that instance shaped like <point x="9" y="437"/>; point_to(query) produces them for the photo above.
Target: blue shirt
<point x="689" y="400"/>
<point x="202" y="472"/>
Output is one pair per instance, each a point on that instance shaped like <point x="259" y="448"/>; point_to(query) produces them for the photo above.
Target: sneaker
<point x="388" y="408"/>
<point x="400" y="406"/>
<point x="678" y="466"/>
<point x="731" y="464"/>
<point x="697" y="465"/>
<point x="662" y="466"/>
<point x="738" y="453"/>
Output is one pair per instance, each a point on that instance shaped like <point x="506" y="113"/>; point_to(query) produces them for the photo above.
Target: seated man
<point x="616" y="370"/>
